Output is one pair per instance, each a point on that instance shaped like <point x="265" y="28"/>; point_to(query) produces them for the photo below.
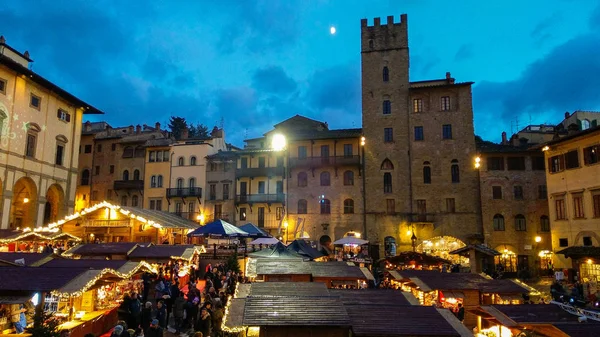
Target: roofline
<point x="444" y="85"/>
<point x="583" y="133"/>
<point x="15" y="66"/>
<point x="298" y="115"/>
<point x="15" y="51"/>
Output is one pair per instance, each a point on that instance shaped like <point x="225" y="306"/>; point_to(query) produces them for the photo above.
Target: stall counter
<point x="96" y="322"/>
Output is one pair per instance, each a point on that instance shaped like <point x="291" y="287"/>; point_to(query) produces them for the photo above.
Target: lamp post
<point x="413" y="239"/>
<point x="285" y="228"/>
<point x="364" y="191"/>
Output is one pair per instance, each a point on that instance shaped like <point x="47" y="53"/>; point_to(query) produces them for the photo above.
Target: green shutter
<point x="594" y="123"/>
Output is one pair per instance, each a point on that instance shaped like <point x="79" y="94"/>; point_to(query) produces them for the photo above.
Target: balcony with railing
<point x="187" y="215"/>
<point x="260" y="172"/>
<point x="183" y="192"/>
<point x="260" y="198"/>
<point x="313" y="162"/>
<point x="128" y="185"/>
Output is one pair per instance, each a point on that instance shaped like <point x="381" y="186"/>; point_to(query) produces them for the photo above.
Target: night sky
<point x="255" y="63"/>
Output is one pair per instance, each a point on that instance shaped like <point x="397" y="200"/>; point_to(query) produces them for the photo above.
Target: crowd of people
<point x="195" y="308"/>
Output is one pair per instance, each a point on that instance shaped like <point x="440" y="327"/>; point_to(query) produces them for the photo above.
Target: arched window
<point x="520" y="223"/>
<point x="193" y="161"/>
<point x="136" y="175"/>
<point x="179" y="182"/>
<point x="498" y="222"/>
<point x="134" y="201"/>
<point x="325" y="181"/>
<point x="348" y="178"/>
<point x="325" y="206"/>
<point x="544" y="223"/>
<point x="390" y="246"/>
<point x="126" y="175"/>
<point x="454" y="171"/>
<point x="302" y="179"/>
<point x="387" y="165"/>
<point x="386" y="74"/>
<point x="371" y="44"/>
<point x="153" y="181"/>
<point x="585" y="124"/>
<point x="426" y="173"/>
<point x="85" y="177"/>
<point x="180" y="161"/>
<point x="128" y="152"/>
<point x="192" y="182"/>
<point x="348" y="206"/>
<point x="302" y="206"/>
<point x="124" y="200"/>
<point x="159" y="181"/>
<point x="387" y="182"/>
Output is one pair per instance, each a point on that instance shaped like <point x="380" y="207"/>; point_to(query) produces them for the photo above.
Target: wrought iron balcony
<point x="187" y="215"/>
<point x="128" y="185"/>
<point x="260" y="172"/>
<point x="312" y="162"/>
<point x="422" y="217"/>
<point x="184" y="192"/>
<point x="260" y="198"/>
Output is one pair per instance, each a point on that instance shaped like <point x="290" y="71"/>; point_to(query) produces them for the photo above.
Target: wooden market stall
<point x="171" y="259"/>
<point x="27" y="259"/>
<point x="448" y="290"/>
<point x="37" y="240"/>
<point x="102" y="251"/>
<point x="105" y="222"/>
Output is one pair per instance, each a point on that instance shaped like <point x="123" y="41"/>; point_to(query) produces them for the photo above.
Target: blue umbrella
<point x="218" y="228"/>
<point x="254" y="231"/>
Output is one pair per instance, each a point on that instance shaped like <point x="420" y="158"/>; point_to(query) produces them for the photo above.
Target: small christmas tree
<point x="232" y="263"/>
<point x="44" y="325"/>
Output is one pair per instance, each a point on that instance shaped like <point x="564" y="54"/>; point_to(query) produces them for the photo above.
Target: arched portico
<point x="55" y="204"/>
<point x="23" y="208"/>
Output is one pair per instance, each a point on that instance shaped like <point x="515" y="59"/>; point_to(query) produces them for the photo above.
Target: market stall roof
<point x="218" y="228"/>
<point x="36" y="279"/>
<point x="303" y="248"/>
<point x="374" y="320"/>
<point x="332" y="270"/>
<point x="264" y="241"/>
<point x="279" y="251"/>
<point x="291" y="289"/>
<point x="301" y="311"/>
<point x="13" y="235"/>
<point x="374" y="297"/>
<point x="580" y="251"/>
<point x="512" y="315"/>
<point x="28" y="258"/>
<point x="338" y="271"/>
<point x="587" y="329"/>
<point x="235" y="315"/>
<point x="254" y="231"/>
<point x="418" y="258"/>
<point x="95" y="249"/>
<point x="350" y="240"/>
<point x="166" y="252"/>
<point x="282" y="267"/>
<point x="14" y="299"/>
<point x="465" y="251"/>
<point x="88" y="280"/>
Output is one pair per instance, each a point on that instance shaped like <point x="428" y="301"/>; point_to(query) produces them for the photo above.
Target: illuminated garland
<point x="229" y="300"/>
<point x="27" y="232"/>
<point x="96" y="207"/>
<point x="102" y="273"/>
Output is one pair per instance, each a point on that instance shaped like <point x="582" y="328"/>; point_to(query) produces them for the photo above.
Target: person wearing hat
<point x="155" y="330"/>
<point x="117" y="331"/>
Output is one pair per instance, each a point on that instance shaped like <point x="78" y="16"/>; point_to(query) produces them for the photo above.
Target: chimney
<point x="504" y="140"/>
<point x="26" y="54"/>
<point x="88" y="126"/>
<point x="448" y="76"/>
<point x="184" y="133"/>
<point x="567" y="115"/>
<point x="215" y="132"/>
<point x="514" y="140"/>
<point x="138" y="129"/>
<point x="130" y="129"/>
<point x="2" y="39"/>
<point x="157" y="126"/>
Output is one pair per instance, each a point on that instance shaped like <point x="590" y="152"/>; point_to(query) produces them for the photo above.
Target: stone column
<point x="6" y="210"/>
<point x="40" y="212"/>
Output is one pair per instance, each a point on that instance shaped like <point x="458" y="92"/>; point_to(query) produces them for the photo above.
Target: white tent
<point x="264" y="241"/>
<point x="350" y="240"/>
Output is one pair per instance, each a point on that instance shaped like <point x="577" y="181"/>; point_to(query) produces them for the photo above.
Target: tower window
<point x="387" y="107"/>
<point x="371" y="44"/>
<point x="388" y="135"/>
<point x="427" y="174"/>
<point x="417" y="105"/>
<point x="447" y="131"/>
<point x="387" y="182"/>
<point x="35" y="102"/>
<point x="445" y="103"/>
<point x="386" y="74"/>
<point x="455" y="171"/>
<point x="419" y="133"/>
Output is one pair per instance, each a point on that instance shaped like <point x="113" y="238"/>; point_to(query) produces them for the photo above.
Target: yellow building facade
<point x="572" y="175"/>
<point x="157" y="174"/>
<point x="40" y="127"/>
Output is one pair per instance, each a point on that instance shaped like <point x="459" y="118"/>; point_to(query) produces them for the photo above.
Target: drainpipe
<point x="73" y="146"/>
<point x="92" y="173"/>
<point x="364" y="192"/>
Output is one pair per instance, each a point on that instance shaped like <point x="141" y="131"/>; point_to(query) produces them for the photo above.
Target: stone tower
<point x="385" y="93"/>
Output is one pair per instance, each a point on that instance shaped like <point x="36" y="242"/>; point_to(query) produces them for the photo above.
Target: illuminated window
<point x="417" y="105"/>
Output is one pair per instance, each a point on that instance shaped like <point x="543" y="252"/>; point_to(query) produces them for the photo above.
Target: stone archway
<point x="23" y="208"/>
<point x="55" y="204"/>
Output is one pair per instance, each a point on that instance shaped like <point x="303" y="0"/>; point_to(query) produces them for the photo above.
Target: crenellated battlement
<point x="390" y="21"/>
<point x="391" y="36"/>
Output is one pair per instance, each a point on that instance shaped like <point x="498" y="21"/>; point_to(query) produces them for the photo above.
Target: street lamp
<point x="200" y="218"/>
<point x="285" y="227"/>
<point x="278" y="142"/>
<point x="538" y="239"/>
<point x="477" y="162"/>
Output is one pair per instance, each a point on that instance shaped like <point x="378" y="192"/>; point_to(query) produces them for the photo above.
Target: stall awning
<point x="14" y="299"/>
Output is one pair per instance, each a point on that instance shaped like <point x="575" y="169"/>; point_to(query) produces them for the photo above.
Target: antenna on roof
<point x="511" y="128"/>
<point x="246" y="133"/>
<point x="222" y="124"/>
<point x="517" y="123"/>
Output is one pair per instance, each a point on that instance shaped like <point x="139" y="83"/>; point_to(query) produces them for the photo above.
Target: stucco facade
<point x="41" y="129"/>
<point x="157" y="174"/>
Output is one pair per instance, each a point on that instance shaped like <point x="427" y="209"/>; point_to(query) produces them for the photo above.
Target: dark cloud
<point x="464" y="53"/>
<point x="564" y="80"/>
<point x="260" y="26"/>
<point x="541" y="32"/>
<point x="422" y="66"/>
<point x="595" y="19"/>
<point x="273" y="79"/>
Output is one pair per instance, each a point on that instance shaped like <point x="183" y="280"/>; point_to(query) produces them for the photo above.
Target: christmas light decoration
<point x="226" y="314"/>
<point x="27" y="233"/>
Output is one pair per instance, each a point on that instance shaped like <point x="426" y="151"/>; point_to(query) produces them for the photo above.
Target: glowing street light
<point x="25" y="200"/>
<point x="477" y="162"/>
<point x="362" y="141"/>
<point x="545" y="148"/>
<point x="278" y="142"/>
<point x="538" y="239"/>
<point x="200" y="218"/>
